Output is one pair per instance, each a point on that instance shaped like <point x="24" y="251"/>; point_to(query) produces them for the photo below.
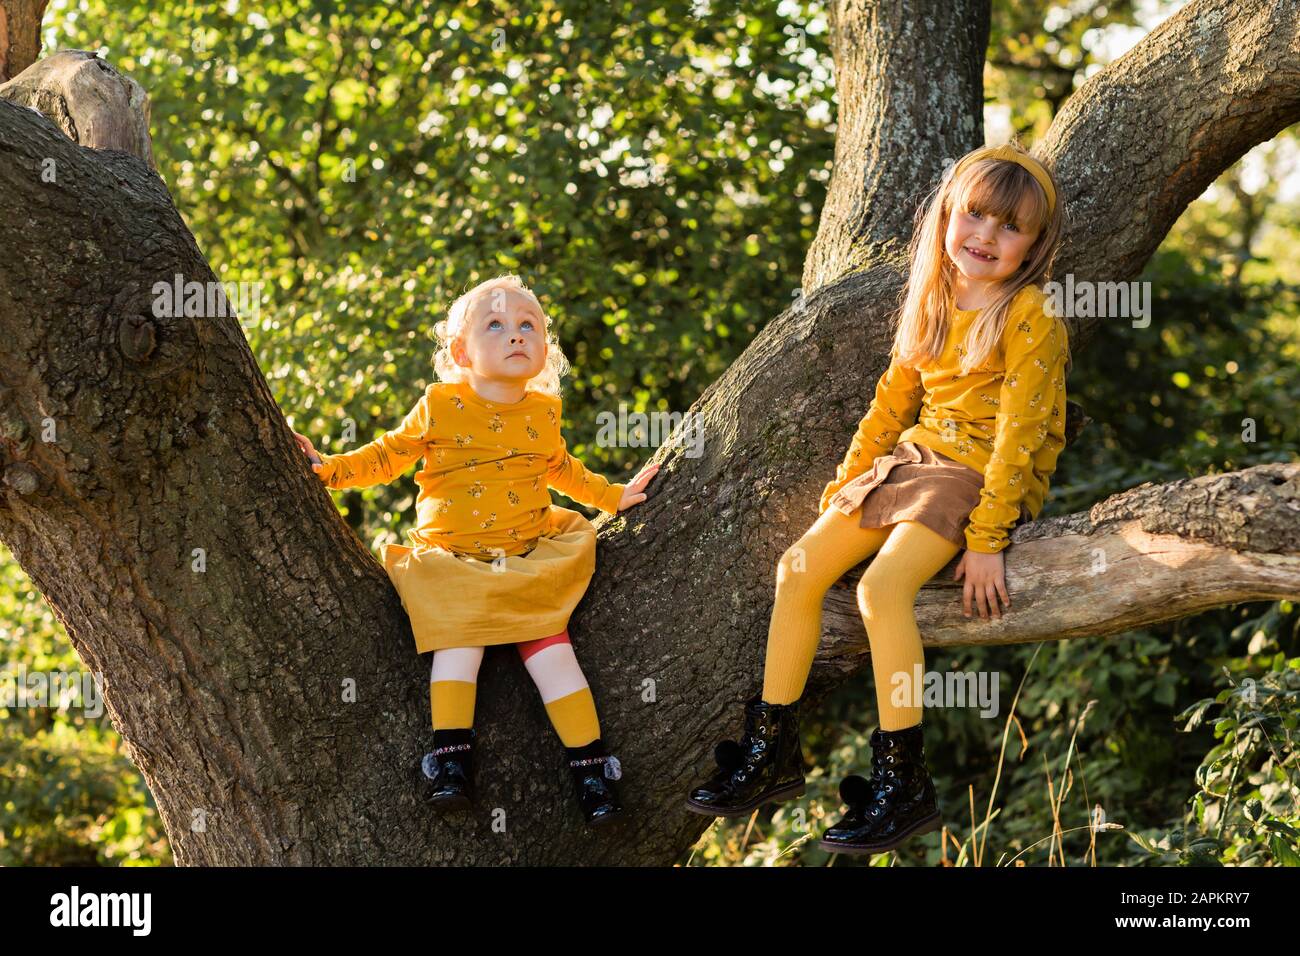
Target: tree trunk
<point x="880" y="50"/>
<point x="135" y="446"/>
<point x="20" y="35"/>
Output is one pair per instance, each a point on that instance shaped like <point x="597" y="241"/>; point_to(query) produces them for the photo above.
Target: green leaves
<point x="615" y="155"/>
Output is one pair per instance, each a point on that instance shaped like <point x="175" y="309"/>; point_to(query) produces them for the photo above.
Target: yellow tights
<point x="910" y="554"/>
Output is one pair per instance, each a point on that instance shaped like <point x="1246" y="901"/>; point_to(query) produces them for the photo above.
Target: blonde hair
<point x="450" y="330"/>
<point x="996" y="187"/>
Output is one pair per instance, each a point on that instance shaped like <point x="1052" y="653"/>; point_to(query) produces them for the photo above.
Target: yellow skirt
<point x="458" y="601"/>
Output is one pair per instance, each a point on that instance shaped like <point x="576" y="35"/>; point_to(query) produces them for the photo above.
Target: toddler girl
<point x="493" y="561"/>
<point x="957" y="446"/>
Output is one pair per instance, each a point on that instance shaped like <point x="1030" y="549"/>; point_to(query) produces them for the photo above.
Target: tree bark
<point x="20" y="35"/>
<point x="880" y="51"/>
<point x="228" y="683"/>
<point x="1148" y="134"/>
<point x="89" y="101"/>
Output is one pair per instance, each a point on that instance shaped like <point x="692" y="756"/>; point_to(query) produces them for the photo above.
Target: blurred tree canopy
<point x="654" y="170"/>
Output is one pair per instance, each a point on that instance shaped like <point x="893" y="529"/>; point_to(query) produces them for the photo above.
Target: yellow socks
<point x="554" y="668"/>
<point x="453" y="682"/>
<point x="573" y="715"/>
<point x="909" y="555"/>
<point x="550" y="661"/>
<point x="574" y="718"/>
<point x="452" y="703"/>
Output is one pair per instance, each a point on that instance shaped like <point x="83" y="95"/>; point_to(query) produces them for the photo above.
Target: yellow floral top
<point x="487" y="468"/>
<point x="1005" y="419"/>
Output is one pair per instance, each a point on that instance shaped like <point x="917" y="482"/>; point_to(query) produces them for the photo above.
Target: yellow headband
<point x="1006" y="152"/>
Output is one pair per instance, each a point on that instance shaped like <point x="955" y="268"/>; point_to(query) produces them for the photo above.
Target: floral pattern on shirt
<point x="1004" y="419"/>
<point x="487" y="469"/>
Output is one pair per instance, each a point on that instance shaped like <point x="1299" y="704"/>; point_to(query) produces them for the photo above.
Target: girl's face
<point x="986" y="249"/>
<point x="504" y="337"/>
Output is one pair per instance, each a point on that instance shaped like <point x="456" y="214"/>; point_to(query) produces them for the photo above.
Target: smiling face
<point x="987" y="249"/>
<point x="504" y="338"/>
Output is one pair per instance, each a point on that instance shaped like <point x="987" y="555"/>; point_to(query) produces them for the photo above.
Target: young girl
<point x="958" y="444"/>
<point x="494" y="562"/>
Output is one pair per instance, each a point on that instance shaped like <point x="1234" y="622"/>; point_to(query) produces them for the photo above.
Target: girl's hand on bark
<point x="985" y="580"/>
<point x="305" y="444"/>
<point x="632" y="493"/>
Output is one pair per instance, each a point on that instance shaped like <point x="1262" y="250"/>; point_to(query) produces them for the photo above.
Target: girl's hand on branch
<point x="632" y="494"/>
<point x="985" y="580"/>
<point x="305" y="444"/>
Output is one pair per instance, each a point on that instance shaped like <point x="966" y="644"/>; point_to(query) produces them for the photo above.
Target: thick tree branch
<point x="90" y="102"/>
<point x="153" y="493"/>
<point x="1153" y="553"/>
<point x="1145" y="136"/>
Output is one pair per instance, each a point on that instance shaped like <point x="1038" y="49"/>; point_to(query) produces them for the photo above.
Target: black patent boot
<point x="448" y="771"/>
<point x="897" y="803"/>
<point x="594" y="773"/>
<point x="765" y="767"/>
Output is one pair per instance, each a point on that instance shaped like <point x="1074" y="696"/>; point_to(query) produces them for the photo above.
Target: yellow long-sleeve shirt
<point x="487" y="468"/>
<point x="1006" y="419"/>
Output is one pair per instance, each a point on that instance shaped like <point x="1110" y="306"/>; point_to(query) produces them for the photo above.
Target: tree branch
<point x="1146" y="135"/>
<point x="1150" y="554"/>
<point x="91" y="103"/>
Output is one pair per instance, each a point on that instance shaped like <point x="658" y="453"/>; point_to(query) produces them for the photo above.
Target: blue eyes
<point x="496" y="324"/>
<point x="976" y="214"/>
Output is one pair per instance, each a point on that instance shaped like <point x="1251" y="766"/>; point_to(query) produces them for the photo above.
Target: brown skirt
<point x="915" y="483"/>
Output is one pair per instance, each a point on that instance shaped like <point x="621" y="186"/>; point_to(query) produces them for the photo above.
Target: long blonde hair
<point x="450" y="329"/>
<point x="993" y="186"/>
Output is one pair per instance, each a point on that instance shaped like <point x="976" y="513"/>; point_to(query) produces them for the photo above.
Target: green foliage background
<point x="655" y="171"/>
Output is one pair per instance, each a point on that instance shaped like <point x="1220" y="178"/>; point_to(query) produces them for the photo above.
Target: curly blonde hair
<point x="450" y="330"/>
